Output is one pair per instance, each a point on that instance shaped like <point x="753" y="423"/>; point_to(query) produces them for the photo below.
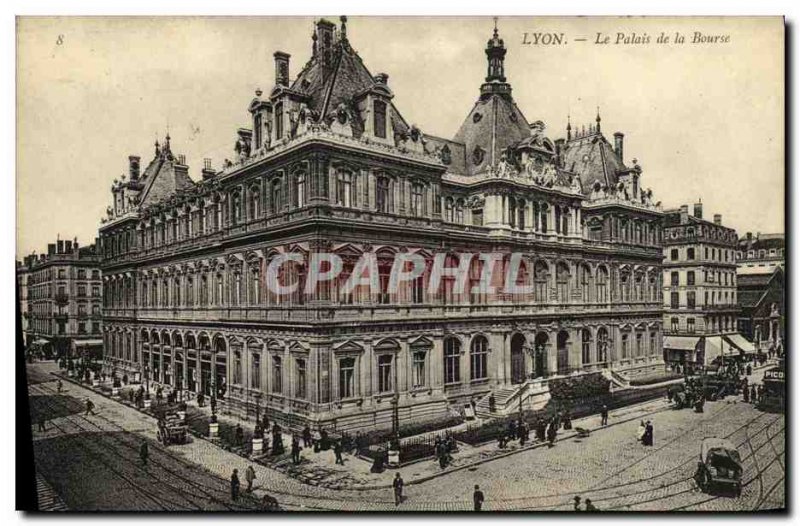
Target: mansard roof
<point x="593" y="159"/>
<point x="494" y="124"/>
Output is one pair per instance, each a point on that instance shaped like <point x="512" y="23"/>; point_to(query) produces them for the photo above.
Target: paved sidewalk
<point x="319" y="470"/>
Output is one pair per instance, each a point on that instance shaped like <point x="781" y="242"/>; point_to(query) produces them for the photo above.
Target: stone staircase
<point x="617" y="380"/>
<point x="533" y="393"/>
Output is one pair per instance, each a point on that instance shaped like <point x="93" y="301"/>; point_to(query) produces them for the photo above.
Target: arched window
<point x="562" y="282"/>
<point x="452" y="360"/>
<point x="586" y="346"/>
<point x="540" y="278"/>
<point x="625" y="345"/>
<point x="585" y="276"/>
<point x="565" y="219"/>
<point x="602" y="284"/>
<point x="512" y="212"/>
<point x="521" y="209"/>
<point x="278" y="121"/>
<point x="385" y="373"/>
<point x="602" y="345"/>
<point x="237" y="368"/>
<point x="478" y="358"/>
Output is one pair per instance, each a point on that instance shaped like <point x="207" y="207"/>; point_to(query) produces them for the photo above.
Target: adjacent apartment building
<point x="64" y="297"/>
<point x="700" y="294"/>
<point x="329" y="165"/>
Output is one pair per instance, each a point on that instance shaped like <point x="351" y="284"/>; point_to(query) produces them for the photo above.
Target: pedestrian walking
<point x="551" y="433"/>
<point x="337" y="451"/>
<point x="576" y="503"/>
<point x="239" y="435"/>
<point x="60" y="385"/>
<point x="604" y="416"/>
<point x="640" y="431"/>
<point x="590" y="506"/>
<point x="647" y="439"/>
<point x="753" y="396"/>
<point x="144" y="453"/>
<point x="89" y="408"/>
<point x="477" y="498"/>
<point x="746" y="395"/>
<point x="41" y="423"/>
<point x="235" y="485"/>
<point x="250" y="476"/>
<point x="307" y="442"/>
<point x="567" y="421"/>
<point x="295" y="451"/>
<point x="397" y="484"/>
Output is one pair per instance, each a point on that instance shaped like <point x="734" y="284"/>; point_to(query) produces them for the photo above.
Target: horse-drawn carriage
<point x="172" y="429"/>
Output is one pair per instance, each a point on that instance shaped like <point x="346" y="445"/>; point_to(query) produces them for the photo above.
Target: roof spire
<point x="569" y="128"/>
<point x="597" y="120"/>
<point x="343" y="19"/>
<point x="495" y="55"/>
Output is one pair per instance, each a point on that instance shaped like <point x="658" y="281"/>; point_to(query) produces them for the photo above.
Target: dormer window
<point x="257" y="130"/>
<point x="379" y="114"/>
<point x="278" y="121"/>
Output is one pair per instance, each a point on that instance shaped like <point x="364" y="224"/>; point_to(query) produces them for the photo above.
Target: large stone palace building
<point x="62" y="299"/>
<point x="329" y="165"/>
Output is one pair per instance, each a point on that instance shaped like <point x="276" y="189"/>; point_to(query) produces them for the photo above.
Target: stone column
<point x="436" y="356"/>
<point x="402" y="365"/>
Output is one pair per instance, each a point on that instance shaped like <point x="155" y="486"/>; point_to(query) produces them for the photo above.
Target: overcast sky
<point x="704" y="120"/>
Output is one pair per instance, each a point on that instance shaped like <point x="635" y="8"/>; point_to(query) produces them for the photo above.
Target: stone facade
<point x="331" y="166"/>
<point x="63" y="298"/>
<point x="699" y="284"/>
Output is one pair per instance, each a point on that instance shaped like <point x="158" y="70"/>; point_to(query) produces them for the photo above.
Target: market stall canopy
<point x="738" y="341"/>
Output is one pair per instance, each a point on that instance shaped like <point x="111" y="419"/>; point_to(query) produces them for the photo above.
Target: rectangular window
<point x="674" y="300"/>
<point x="277" y="375"/>
<point x="418" y="370"/>
<point x="346" y="378"/>
<point x="300" y="387"/>
<point x="255" y="371"/>
<point x="690" y="253"/>
<point x="385" y="373"/>
<point x="690" y="325"/>
<point x="674" y="279"/>
<point x="278" y="121"/>
<point x="673" y="255"/>
<point x="417" y="192"/>
<point x="82" y="291"/>
<point x="690" y="300"/>
<point x="690" y="277"/>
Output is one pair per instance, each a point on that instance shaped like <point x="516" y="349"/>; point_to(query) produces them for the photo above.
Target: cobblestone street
<point x="92" y="463"/>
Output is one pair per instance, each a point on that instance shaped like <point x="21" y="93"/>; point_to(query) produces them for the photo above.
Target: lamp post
<point x="396" y="417"/>
<point x="147" y="379"/>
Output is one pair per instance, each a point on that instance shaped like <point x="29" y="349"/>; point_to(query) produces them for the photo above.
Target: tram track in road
<point x="342" y="501"/>
<point x="649" y="490"/>
<point x="181" y="486"/>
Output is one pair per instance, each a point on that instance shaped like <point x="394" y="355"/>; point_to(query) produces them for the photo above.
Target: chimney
<point x="618" y="137"/>
<point x="698" y="210"/>
<point x="67" y="246"/>
<point x="749" y="240"/>
<point x="325" y="31"/>
<point x="684" y="214"/>
<point x="281" y="68"/>
<point x="133" y="167"/>
<point x="207" y="172"/>
<point x="60" y="246"/>
<point x="559" y="151"/>
<point x="51" y="249"/>
<point x="182" y="159"/>
<point x="717" y="219"/>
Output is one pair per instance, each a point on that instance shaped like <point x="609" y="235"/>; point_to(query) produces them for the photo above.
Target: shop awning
<point x="87" y="343"/>
<point x="713" y="348"/>
<point x="738" y="341"/>
<point x="681" y="343"/>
